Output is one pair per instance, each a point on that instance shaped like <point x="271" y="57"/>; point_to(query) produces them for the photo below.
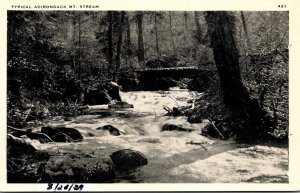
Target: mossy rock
<point x="66" y="169"/>
<point x="127" y="159"/>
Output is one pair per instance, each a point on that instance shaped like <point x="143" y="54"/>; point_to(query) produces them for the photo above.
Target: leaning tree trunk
<point x="248" y="118"/>
<point x="141" y="50"/>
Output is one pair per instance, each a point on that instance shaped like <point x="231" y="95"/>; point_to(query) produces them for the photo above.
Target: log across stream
<point x="173" y="156"/>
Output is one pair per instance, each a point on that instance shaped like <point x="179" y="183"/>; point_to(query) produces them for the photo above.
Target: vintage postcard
<point x="149" y="95"/>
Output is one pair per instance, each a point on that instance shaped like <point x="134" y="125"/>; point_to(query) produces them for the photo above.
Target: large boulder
<point x="96" y="97"/>
<point x="25" y="163"/>
<point x="69" y="169"/>
<point x="127" y="159"/>
<point x="171" y="127"/>
<point x="62" y="134"/>
<point x="102" y="95"/>
<point x="128" y="81"/>
<point x="111" y="129"/>
<point x="113" y="91"/>
<point x="18" y="147"/>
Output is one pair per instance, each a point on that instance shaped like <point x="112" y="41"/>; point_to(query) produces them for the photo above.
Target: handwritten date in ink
<point x="64" y="187"/>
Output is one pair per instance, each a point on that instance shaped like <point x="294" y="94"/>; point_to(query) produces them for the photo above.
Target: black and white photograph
<point x="147" y="96"/>
<point x="141" y="96"/>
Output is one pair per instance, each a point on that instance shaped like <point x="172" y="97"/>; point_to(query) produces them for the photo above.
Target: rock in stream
<point x="62" y="134"/>
<point x="127" y="159"/>
<point x="111" y="129"/>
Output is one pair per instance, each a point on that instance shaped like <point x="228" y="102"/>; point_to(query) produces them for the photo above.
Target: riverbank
<point x="173" y="156"/>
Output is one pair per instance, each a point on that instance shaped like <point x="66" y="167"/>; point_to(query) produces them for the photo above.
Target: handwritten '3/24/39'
<point x="65" y="187"/>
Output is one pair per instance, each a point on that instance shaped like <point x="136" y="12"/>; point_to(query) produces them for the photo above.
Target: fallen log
<point x="197" y="143"/>
<point x="116" y="106"/>
<point x="29" y="133"/>
<point x="213" y="124"/>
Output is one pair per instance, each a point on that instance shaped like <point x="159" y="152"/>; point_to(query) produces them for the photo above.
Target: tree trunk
<point x="249" y="118"/>
<point x="79" y="45"/>
<point x="171" y="33"/>
<point x="156" y="35"/>
<point x="185" y="15"/>
<point x="128" y="35"/>
<point x="119" y="43"/>
<point x="74" y="43"/>
<point x="248" y="45"/>
<point x="198" y="27"/>
<point x="141" y="51"/>
<point x="109" y="40"/>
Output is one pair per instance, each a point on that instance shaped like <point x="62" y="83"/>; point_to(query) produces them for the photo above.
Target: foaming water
<point x="171" y="158"/>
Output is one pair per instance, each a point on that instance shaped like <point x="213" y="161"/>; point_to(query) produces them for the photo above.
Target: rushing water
<point x="170" y="157"/>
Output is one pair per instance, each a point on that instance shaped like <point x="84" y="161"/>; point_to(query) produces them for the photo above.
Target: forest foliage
<point x="54" y="56"/>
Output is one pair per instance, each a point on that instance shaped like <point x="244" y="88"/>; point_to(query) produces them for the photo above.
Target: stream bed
<point x="171" y="157"/>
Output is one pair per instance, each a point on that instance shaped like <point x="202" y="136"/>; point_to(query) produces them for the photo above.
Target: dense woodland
<point x="53" y="57"/>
